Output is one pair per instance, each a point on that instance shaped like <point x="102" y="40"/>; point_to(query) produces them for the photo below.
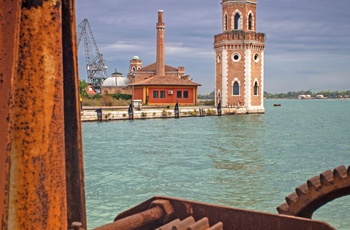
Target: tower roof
<point x="240" y="1"/>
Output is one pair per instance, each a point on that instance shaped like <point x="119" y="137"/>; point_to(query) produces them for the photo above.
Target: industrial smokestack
<point x="160" y="71"/>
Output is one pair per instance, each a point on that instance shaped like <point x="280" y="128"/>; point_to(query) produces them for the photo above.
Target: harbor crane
<point x="95" y="64"/>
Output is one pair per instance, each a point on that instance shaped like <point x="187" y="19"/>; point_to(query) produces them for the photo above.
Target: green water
<point x="242" y="161"/>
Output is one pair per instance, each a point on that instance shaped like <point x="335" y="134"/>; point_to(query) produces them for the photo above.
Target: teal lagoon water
<point x="242" y="161"/>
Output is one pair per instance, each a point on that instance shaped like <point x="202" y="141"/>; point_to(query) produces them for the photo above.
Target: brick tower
<point x="239" y="65"/>
<point x="135" y="64"/>
<point x="160" y="71"/>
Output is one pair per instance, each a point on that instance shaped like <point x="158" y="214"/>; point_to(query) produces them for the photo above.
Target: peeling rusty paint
<point x="37" y="183"/>
<point x="39" y="69"/>
<point x="231" y="218"/>
<point x="32" y="3"/>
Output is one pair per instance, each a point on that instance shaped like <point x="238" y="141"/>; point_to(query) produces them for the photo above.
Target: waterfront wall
<point x="122" y="114"/>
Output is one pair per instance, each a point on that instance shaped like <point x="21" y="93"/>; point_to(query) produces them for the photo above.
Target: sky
<point x="307" y="43"/>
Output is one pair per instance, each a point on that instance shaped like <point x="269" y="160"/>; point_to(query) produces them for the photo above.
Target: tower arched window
<point x="250" y="22"/>
<point x="225" y="22"/>
<point x="256" y="89"/>
<point x="237" y="21"/>
<point x="235" y="88"/>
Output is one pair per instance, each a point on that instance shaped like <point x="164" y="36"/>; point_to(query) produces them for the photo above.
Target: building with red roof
<point x="158" y="83"/>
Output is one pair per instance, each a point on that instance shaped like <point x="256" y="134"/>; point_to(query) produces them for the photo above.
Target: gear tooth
<point x="326" y="177"/>
<point x="340" y="172"/>
<point x="314" y="182"/>
<point x="302" y="190"/>
<point x="283" y="209"/>
<point x="327" y="186"/>
<point x="292" y="198"/>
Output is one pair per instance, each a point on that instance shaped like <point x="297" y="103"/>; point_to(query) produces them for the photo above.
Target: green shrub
<point x="120" y="96"/>
<point x="95" y="97"/>
<point x="104" y="100"/>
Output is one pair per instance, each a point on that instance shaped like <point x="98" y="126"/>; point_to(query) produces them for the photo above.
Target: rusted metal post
<point x="10" y="12"/>
<point x="37" y="191"/>
<point x="72" y="118"/>
<point x="38" y="139"/>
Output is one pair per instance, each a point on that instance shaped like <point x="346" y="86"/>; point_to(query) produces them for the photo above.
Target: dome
<point x="109" y="82"/>
<point x="122" y="82"/>
<point x="135" y="58"/>
<point x="116" y="82"/>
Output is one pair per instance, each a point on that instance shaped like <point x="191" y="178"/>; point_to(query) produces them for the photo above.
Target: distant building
<point x="90" y="90"/>
<point x="158" y="83"/>
<point x="116" y="84"/>
<point x="239" y="50"/>
<point x="307" y="96"/>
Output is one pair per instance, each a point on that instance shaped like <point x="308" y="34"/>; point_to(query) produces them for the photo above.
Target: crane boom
<point x="95" y="64"/>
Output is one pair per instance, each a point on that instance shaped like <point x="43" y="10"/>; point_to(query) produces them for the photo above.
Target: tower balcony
<point x="239" y="35"/>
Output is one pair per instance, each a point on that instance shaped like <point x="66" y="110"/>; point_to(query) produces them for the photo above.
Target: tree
<point x="82" y="88"/>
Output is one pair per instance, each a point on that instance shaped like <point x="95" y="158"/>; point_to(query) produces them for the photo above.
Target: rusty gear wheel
<point x="316" y="192"/>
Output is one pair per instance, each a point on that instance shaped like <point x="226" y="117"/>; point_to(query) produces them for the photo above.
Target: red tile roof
<point x="166" y="80"/>
<point x="153" y="67"/>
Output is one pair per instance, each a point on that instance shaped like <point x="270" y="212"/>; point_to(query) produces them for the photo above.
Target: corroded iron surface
<point x="38" y="68"/>
<point x="158" y="211"/>
<point x="37" y="198"/>
<point x="191" y="224"/>
<point x="230" y="218"/>
<point x="316" y="192"/>
<point x="9" y="30"/>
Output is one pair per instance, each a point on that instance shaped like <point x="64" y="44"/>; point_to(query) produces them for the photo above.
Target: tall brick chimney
<point x="160" y="71"/>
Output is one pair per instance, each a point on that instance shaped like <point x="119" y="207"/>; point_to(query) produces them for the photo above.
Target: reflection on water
<point x="242" y="161"/>
<point x="238" y="160"/>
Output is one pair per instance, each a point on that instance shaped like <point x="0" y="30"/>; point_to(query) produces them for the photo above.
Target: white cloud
<point x="179" y="50"/>
<point x="122" y="46"/>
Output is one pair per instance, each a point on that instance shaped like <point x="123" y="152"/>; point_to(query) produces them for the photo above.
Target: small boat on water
<point x="276" y="104"/>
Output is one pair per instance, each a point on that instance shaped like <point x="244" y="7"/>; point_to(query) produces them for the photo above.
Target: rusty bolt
<point x="165" y="206"/>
